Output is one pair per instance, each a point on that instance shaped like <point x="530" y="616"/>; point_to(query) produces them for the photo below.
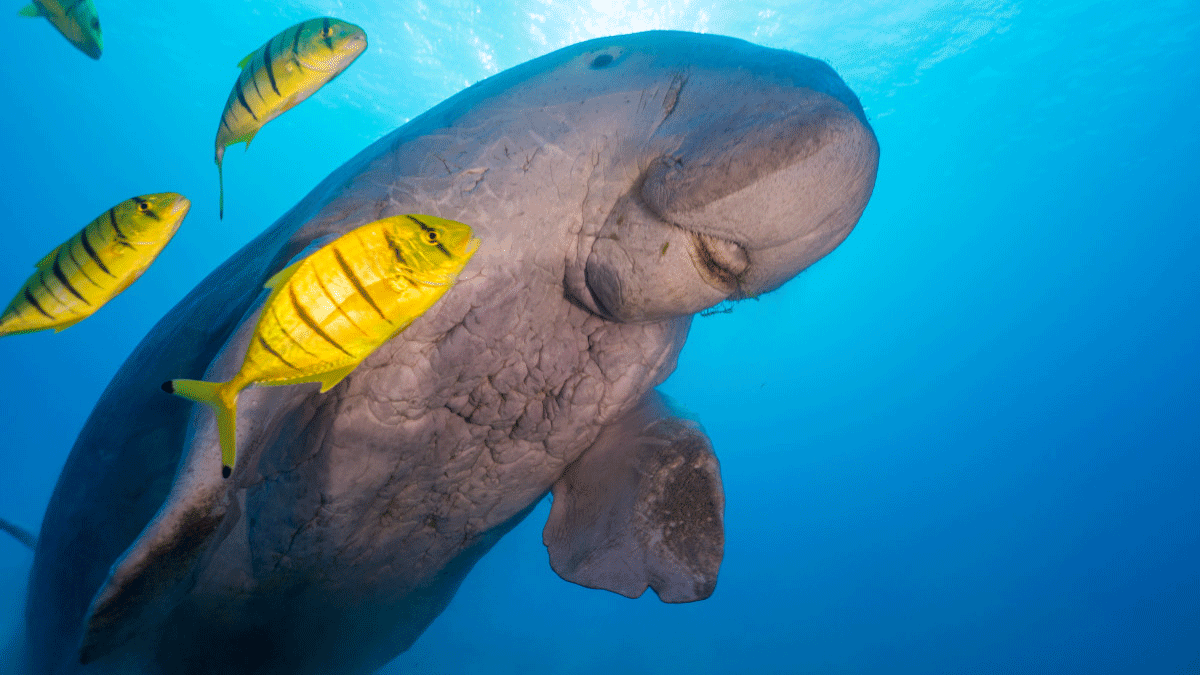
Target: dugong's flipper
<point x="642" y="507"/>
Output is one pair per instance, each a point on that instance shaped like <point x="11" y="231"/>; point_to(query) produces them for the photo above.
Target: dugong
<point x="619" y="186"/>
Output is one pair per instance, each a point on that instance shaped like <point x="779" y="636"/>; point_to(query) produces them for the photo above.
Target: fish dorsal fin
<point x="284" y="274"/>
<point x="249" y="57"/>
<point x="49" y="256"/>
<point x="281" y="277"/>
<point x="30" y="10"/>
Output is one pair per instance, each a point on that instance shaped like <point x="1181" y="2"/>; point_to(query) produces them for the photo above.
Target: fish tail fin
<point x="19" y="533"/>
<point x="30" y="10"/>
<point x="221" y="182"/>
<point x="217" y="396"/>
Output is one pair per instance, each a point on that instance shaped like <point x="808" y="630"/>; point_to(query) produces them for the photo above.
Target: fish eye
<point x="327" y="32"/>
<point x="143" y="206"/>
<point x="431" y="237"/>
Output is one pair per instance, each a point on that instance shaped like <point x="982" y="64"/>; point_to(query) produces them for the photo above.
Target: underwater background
<point x="967" y="441"/>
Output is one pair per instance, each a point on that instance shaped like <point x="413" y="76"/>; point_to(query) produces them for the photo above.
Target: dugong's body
<point x="619" y="186"/>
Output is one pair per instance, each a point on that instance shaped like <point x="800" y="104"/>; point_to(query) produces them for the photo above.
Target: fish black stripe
<point x="296" y="41"/>
<point x="311" y="322"/>
<point x="112" y="218"/>
<point x="87" y="246"/>
<point x="225" y="122"/>
<point x="62" y="278"/>
<point x="272" y="352"/>
<point x="46" y="287"/>
<point x="338" y="305"/>
<point x="242" y="98"/>
<point x="328" y="38"/>
<point x="362" y="290"/>
<point x="254" y="81"/>
<point x="270" y="68"/>
<point x="275" y="315"/>
<point x="78" y="267"/>
<point x="36" y="305"/>
<point x="395" y="249"/>
<point x="427" y="228"/>
<point x="147" y="212"/>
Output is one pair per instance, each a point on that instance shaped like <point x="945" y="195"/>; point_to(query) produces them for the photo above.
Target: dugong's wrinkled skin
<point x="619" y="186"/>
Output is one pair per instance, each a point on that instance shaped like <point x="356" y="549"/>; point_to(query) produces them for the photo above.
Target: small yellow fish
<point x="282" y="73"/>
<point x="333" y="308"/>
<point x="75" y="19"/>
<point x="96" y="264"/>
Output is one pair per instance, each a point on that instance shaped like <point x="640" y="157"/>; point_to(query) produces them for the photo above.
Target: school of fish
<point x="327" y="311"/>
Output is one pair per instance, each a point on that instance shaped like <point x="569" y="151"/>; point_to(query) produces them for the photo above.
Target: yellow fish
<point x="282" y="73"/>
<point x="75" y="19"/>
<point x="333" y="308"/>
<point x="96" y="264"/>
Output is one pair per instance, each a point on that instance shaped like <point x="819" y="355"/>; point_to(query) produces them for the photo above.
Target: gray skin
<point x="619" y="186"/>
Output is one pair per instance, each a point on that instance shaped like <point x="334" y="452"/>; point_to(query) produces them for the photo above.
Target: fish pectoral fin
<point x="30" y="10"/>
<point x="332" y="377"/>
<point x="249" y="136"/>
<point x="49" y="256"/>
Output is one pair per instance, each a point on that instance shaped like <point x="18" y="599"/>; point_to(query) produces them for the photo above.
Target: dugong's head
<point x="761" y="164"/>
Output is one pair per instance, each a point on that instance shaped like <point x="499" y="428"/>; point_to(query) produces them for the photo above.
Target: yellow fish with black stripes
<point x="280" y="74"/>
<point x="96" y="264"/>
<point x="75" y="19"/>
<point x="331" y="309"/>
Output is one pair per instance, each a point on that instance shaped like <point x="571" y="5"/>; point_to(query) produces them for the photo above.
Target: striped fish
<point x="96" y="264"/>
<point x="75" y="19"/>
<point x="282" y="73"/>
<point x="333" y="308"/>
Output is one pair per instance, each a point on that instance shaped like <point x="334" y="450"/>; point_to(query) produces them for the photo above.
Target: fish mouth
<point x="470" y="247"/>
<point x="91" y="49"/>
<point x="179" y="208"/>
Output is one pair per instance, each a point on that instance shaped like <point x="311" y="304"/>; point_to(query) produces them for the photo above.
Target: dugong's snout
<point x="758" y="178"/>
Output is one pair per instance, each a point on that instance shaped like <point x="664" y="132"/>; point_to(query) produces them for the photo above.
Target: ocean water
<point x="967" y="441"/>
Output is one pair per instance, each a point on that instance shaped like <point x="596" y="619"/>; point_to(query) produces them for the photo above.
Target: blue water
<point x="968" y="441"/>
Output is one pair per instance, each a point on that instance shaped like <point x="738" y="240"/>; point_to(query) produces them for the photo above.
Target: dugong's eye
<point x="431" y="237"/>
<point x="602" y="61"/>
